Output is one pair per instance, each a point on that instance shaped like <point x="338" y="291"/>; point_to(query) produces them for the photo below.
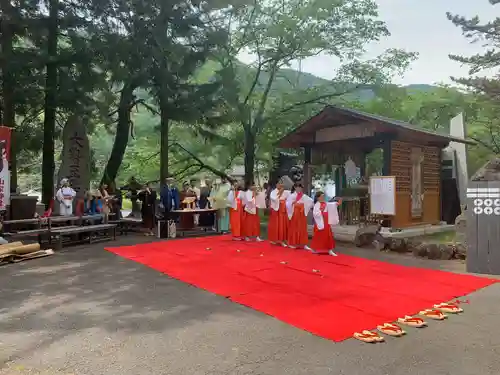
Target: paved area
<point x="87" y="311"/>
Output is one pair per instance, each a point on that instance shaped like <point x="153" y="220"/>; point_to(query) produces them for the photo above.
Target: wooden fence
<point x="483" y="227"/>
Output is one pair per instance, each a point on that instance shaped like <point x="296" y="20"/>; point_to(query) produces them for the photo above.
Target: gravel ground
<point x="87" y="311"/>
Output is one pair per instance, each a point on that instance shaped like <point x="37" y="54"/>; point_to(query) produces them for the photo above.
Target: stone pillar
<point x="457" y="129"/>
<point x="75" y="156"/>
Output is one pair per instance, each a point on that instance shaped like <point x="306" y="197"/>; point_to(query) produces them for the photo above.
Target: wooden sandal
<point x="412" y="322"/>
<point x="433" y="314"/>
<point x="448" y="308"/>
<point x="391" y="329"/>
<point x="368" y="336"/>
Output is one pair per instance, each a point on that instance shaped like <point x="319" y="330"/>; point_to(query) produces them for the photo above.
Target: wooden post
<point x="307" y="169"/>
<point x="362" y="165"/>
<point x="387" y="155"/>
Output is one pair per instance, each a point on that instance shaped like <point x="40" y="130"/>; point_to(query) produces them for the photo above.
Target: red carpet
<point x="332" y="297"/>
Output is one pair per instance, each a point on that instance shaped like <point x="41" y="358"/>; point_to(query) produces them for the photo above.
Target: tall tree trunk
<point x="249" y="157"/>
<point x="121" y="136"/>
<point x="8" y="113"/>
<point x="50" y="110"/>
<point x="164" y="128"/>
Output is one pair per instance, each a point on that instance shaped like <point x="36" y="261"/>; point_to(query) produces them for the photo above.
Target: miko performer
<point x="251" y="201"/>
<point x="234" y="199"/>
<point x="325" y="215"/>
<point x="298" y="206"/>
<point x="278" y="220"/>
<point x="65" y="196"/>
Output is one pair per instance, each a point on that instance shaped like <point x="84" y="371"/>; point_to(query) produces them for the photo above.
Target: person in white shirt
<point x="252" y="201"/>
<point x="278" y="221"/>
<point x="235" y="200"/>
<point x="325" y="215"/>
<point x="65" y="196"/>
<point x="298" y="206"/>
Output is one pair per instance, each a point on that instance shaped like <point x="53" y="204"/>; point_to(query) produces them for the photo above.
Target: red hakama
<point x="235" y="219"/>
<point x="297" y="228"/>
<point x="323" y="240"/>
<point x="251" y="224"/>
<point x="278" y="224"/>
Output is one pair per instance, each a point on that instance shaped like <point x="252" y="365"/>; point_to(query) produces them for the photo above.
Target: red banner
<point x="5" y="135"/>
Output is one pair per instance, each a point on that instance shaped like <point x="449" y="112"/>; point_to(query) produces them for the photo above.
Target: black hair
<point x="295" y="186"/>
<point x="248" y="185"/>
<point x="318" y="194"/>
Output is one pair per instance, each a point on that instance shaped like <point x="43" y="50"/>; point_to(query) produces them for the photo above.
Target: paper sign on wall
<point x="383" y="195"/>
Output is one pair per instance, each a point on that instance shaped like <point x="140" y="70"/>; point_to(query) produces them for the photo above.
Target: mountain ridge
<point x="288" y="78"/>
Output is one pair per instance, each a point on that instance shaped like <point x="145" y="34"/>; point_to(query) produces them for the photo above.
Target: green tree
<point x="277" y="33"/>
<point x="162" y="47"/>
<point x="487" y="130"/>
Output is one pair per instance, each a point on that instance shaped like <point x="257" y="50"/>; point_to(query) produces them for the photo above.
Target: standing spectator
<point x="148" y="198"/>
<point x="206" y="219"/>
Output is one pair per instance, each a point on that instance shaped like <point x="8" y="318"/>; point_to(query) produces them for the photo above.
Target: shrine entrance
<point x="358" y="149"/>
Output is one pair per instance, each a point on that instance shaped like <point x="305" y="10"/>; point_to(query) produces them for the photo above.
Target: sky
<point x="420" y="26"/>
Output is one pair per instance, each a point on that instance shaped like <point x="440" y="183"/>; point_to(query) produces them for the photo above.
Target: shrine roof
<point x="332" y="116"/>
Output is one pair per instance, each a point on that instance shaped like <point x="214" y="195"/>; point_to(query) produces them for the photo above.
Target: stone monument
<point x="458" y="129"/>
<point x="75" y="156"/>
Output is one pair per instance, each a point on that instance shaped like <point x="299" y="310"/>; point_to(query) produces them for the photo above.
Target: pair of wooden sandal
<point x="438" y="312"/>
<point x="412" y="321"/>
<point x="368" y="336"/>
<point x="389" y="329"/>
<point x="394" y="330"/>
<point x="448" y="308"/>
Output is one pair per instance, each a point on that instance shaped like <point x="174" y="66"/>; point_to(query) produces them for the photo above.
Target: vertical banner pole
<point x="5" y="139"/>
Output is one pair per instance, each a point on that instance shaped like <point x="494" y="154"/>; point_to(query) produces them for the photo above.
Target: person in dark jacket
<point x="169" y="196"/>
<point x="148" y="198"/>
<point x="206" y="219"/>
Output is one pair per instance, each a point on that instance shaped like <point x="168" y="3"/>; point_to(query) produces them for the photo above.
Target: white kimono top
<point x="251" y="202"/>
<point x="65" y="193"/>
<point x="232" y="198"/>
<point x="307" y="201"/>
<point x="333" y="215"/>
<point x="275" y="199"/>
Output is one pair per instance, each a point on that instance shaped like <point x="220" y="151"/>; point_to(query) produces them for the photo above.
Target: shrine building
<point x="363" y="150"/>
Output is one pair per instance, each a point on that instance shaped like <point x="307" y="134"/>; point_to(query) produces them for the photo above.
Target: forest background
<point x="162" y="90"/>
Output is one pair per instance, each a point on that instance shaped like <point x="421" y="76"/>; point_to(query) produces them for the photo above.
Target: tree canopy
<point x="162" y="89"/>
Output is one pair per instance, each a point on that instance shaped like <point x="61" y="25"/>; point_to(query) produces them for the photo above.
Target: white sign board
<point x="486" y="200"/>
<point x="383" y="195"/>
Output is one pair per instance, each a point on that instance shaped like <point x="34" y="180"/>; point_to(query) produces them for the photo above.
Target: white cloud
<point x="419" y="26"/>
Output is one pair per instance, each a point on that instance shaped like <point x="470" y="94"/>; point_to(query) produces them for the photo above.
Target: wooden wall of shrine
<point x="402" y="166"/>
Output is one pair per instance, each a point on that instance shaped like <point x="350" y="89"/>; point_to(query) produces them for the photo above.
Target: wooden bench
<point x="39" y="232"/>
<point x="27" y="233"/>
<point x="127" y="224"/>
<point x="108" y="229"/>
